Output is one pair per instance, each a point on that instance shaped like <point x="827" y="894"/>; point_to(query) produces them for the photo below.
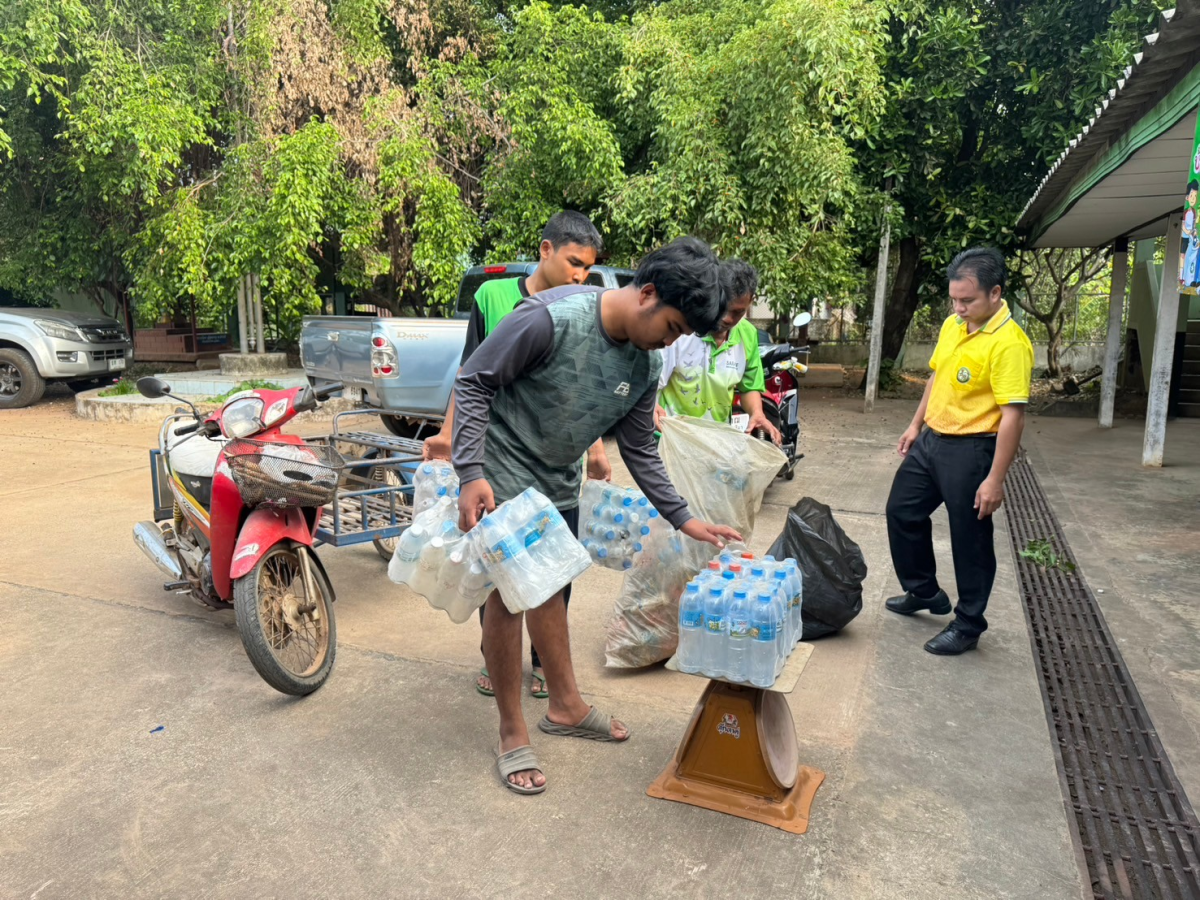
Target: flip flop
<point x="519" y="760"/>
<point x="539" y="692"/>
<point x="487" y="692"/>
<point x="595" y="727"/>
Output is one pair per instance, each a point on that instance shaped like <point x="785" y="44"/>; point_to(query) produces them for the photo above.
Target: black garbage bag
<point x="833" y="566"/>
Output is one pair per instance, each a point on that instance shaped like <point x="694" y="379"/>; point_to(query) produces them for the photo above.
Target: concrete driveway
<point x="941" y="782"/>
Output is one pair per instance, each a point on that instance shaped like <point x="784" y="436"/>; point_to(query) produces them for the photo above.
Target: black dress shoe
<point x="951" y="642"/>
<point x="907" y="604"/>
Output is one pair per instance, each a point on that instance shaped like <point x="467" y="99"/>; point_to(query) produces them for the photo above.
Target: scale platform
<point x="739" y="753"/>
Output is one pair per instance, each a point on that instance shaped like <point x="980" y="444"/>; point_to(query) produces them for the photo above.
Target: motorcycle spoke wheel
<point x="289" y="635"/>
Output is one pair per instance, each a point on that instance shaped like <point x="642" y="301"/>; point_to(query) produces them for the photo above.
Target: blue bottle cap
<point x="739" y="595"/>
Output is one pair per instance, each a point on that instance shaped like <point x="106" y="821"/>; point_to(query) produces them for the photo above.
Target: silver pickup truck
<point x="43" y="345"/>
<point x="406" y="366"/>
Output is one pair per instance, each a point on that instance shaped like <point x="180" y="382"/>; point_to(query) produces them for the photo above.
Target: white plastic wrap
<point x="529" y="551"/>
<point x="440" y="563"/>
<point x="722" y="472"/>
<point x="431" y="482"/>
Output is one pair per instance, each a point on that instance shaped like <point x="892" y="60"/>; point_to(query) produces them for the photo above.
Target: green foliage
<point x="122" y="388"/>
<point x="252" y="384"/>
<point x="1042" y="554"/>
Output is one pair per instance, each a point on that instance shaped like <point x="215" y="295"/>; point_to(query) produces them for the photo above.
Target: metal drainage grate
<point x="1135" y="832"/>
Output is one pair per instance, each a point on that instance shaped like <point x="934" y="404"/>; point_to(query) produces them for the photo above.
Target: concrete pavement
<point x="940" y="784"/>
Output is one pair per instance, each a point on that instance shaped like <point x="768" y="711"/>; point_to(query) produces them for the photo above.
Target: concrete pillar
<point x="881" y="274"/>
<point x="243" y="318"/>
<point x="1164" y="349"/>
<point x="1112" y="345"/>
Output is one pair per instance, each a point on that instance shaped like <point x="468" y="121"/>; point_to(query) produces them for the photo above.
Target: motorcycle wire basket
<point x="280" y="475"/>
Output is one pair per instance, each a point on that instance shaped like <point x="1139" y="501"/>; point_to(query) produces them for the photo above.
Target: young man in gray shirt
<point x="562" y="369"/>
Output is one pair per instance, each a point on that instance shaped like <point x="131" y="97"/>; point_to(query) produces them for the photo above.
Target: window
<point x="624" y="278"/>
<point x="470" y="284"/>
<point x="595" y="279"/>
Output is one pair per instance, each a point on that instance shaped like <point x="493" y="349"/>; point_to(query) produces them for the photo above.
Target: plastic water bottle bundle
<point x="431" y="482"/>
<point x="739" y="619"/>
<point x="440" y="563"/>
<point x="613" y="520"/>
<point x="528" y="551"/>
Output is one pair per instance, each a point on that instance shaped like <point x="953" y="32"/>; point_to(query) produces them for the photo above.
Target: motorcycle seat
<point x="194" y="454"/>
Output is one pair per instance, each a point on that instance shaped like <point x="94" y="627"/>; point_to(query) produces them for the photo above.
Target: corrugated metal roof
<point x="1161" y="63"/>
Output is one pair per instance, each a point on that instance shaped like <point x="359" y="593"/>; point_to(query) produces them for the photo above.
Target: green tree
<point x="981" y="98"/>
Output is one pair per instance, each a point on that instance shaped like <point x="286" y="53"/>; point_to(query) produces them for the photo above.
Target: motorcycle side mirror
<point x="153" y="388"/>
<point x="801" y="320"/>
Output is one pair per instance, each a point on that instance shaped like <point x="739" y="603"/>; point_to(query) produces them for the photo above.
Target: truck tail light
<point x="384" y="363"/>
<point x="495" y="270"/>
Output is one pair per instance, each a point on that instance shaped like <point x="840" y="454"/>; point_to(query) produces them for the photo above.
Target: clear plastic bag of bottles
<point x="432" y="481"/>
<point x="643" y="627"/>
<point x="722" y="472"/>
<point x="528" y="551"/>
<point x="613" y="523"/>
<point x="440" y="563"/>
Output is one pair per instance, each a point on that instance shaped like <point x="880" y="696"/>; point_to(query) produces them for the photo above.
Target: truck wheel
<point x="386" y="547"/>
<point x="20" y="383"/>
<point x="290" y="637"/>
<point x="402" y="426"/>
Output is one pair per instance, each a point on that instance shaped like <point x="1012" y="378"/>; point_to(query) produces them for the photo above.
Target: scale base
<point x="789" y="814"/>
<point x="739" y="756"/>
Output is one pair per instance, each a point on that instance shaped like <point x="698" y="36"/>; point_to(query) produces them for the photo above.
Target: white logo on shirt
<point x="622" y="389"/>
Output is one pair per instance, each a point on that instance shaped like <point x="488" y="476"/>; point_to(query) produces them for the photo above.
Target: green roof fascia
<point x="1182" y="99"/>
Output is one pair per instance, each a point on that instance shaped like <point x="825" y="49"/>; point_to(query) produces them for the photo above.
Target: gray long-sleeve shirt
<point x="542" y="388"/>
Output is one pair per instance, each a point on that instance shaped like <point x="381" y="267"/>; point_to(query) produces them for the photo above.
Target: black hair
<point x="686" y="275"/>
<point x="739" y="278"/>
<point x="985" y="263"/>
<point x="1193" y="185"/>
<point x="570" y="227"/>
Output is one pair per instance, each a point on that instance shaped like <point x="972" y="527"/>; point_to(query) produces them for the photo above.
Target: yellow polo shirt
<point x="977" y="374"/>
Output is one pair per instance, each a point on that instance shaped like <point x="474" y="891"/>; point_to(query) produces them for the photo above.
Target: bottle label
<point x="692" y="618"/>
<point x="713" y="624"/>
<point x="766" y="631"/>
<point x="505" y="549"/>
<point x="739" y="628"/>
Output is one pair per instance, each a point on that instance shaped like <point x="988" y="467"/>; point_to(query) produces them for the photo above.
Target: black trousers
<point x="944" y="469"/>
<point x="571" y="517"/>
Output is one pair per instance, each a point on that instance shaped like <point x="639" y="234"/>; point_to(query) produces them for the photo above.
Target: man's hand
<point x="659" y="415"/>
<point x="598" y="467"/>
<point x="475" y="500"/>
<point x="436" y="447"/>
<point x="709" y="534"/>
<point x="761" y="421"/>
<point x="908" y="439"/>
<point x="989" y="497"/>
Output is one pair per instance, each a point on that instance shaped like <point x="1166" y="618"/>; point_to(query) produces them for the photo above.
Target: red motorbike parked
<point x="237" y="503"/>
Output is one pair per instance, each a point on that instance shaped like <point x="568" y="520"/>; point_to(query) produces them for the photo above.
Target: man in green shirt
<point x="570" y="243"/>
<point x="701" y="374"/>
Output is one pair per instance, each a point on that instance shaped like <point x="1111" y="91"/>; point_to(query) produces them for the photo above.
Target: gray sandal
<point x="595" y="727"/>
<point x="519" y="760"/>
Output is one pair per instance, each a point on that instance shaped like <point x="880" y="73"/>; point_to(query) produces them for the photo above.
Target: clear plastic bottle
<point x="737" y="654"/>
<point x="783" y="597"/>
<point x="408" y="551"/>
<point x="425" y="578"/>
<point x="716" y="631"/>
<point x="764" y="629"/>
<point x="691" y="629"/>
<point x="797" y="579"/>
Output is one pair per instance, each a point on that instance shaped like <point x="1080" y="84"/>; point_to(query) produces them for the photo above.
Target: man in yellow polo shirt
<point x="974" y="410"/>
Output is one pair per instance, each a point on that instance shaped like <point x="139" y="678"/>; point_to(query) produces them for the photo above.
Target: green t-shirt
<point x="493" y="301"/>
<point x="699" y="378"/>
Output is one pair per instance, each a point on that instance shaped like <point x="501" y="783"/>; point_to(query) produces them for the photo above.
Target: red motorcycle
<point x="237" y="504"/>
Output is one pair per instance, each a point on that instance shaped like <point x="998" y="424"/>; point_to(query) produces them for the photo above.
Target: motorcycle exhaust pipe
<point x="149" y="538"/>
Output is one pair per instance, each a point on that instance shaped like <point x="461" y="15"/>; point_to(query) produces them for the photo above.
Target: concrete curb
<point x="136" y="408"/>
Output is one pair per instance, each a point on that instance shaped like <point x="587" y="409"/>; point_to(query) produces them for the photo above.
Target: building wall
<point x="916" y="355"/>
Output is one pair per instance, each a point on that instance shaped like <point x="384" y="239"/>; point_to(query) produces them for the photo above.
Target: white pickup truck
<point x="44" y="345"/>
<point x="405" y="367"/>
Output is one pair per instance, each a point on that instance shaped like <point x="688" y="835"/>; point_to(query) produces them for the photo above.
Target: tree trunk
<point x="1054" y="333"/>
<point x="904" y="298"/>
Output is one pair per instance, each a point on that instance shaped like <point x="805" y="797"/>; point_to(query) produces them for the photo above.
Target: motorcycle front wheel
<point x="290" y="637"/>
